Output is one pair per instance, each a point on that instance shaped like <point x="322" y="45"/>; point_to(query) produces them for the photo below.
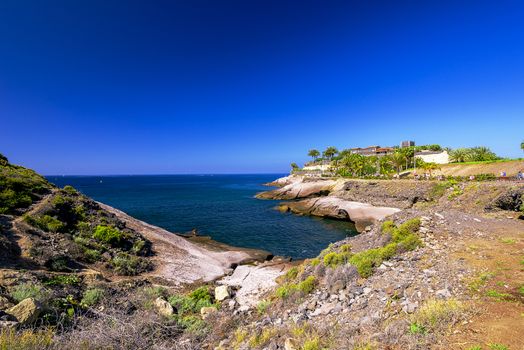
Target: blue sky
<point x="147" y="87"/>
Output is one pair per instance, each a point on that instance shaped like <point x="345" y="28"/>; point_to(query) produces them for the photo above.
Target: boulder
<point x="26" y="311"/>
<point x="163" y="307"/>
<point x="221" y="293"/>
<point x="207" y="311"/>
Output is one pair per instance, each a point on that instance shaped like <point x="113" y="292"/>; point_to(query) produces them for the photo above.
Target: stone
<point x="443" y="293"/>
<point x="337" y="286"/>
<point x="289" y="344"/>
<point x="409" y="307"/>
<point x="367" y="290"/>
<point x="5" y="303"/>
<point x="207" y="311"/>
<point x="221" y="293"/>
<point x="163" y="307"/>
<point x="26" y="311"/>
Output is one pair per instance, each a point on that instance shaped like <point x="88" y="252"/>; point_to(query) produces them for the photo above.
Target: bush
<point x="29" y="290"/>
<point x="436" y="315"/>
<point x="59" y="263"/>
<point x="70" y="190"/>
<point x="129" y="265"/>
<point x="108" y="234"/>
<point x="334" y="259"/>
<point x="46" y="223"/>
<point x="307" y="285"/>
<point x="92" y="296"/>
<point x="62" y="280"/>
<point x="193" y="302"/>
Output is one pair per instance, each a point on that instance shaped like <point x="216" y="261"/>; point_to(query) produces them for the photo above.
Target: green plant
<point x="312" y="344"/>
<point x="262" y="306"/>
<point x="129" y="265"/>
<point x="291" y="274"/>
<point x="92" y="296"/>
<point x="497" y="346"/>
<point x="497" y="295"/>
<point x="46" y="222"/>
<point x="307" y="285"/>
<point x="30" y="290"/>
<point x="58" y="280"/>
<point x="475" y="347"/>
<point x="193" y="302"/>
<point x="70" y="189"/>
<point x="415" y="328"/>
<point x="437" y="314"/>
<point x="108" y="234"/>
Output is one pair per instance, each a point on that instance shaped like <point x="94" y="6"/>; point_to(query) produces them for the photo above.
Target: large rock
<point x="221" y="293"/>
<point x="26" y="311"/>
<point x="163" y="307"/>
<point x="207" y="311"/>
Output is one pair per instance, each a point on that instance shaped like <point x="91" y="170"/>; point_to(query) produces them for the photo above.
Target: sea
<point x="221" y="206"/>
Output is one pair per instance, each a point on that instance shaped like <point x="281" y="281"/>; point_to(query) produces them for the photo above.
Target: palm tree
<point x="314" y="154"/>
<point x="429" y="167"/>
<point x="294" y="167"/>
<point x="458" y="155"/>
<point x="398" y="159"/>
<point x="330" y="152"/>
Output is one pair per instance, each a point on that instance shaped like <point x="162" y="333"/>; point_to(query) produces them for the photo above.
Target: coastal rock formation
<point x="303" y="188"/>
<point x="362" y="214"/>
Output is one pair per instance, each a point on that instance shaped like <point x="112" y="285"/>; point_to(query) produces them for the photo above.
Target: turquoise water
<point x="221" y="206"/>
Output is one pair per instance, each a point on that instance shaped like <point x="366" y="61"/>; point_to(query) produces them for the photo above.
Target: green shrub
<point x="403" y="238"/>
<point x="438" y="314"/>
<point x="70" y="189"/>
<point x="292" y="273"/>
<point x="388" y="226"/>
<point x="46" y="223"/>
<point x="29" y="290"/>
<point x="62" y="280"/>
<point x="314" y="262"/>
<point x="129" y="265"/>
<point x="335" y="259"/>
<point x="193" y="302"/>
<point x="59" y="263"/>
<point x="262" y="306"/>
<point x="307" y="285"/>
<point x="192" y="324"/>
<point x="91" y="255"/>
<point x="108" y="234"/>
<point x="92" y="296"/>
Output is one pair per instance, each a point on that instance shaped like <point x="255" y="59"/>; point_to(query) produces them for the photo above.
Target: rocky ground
<point x="462" y="287"/>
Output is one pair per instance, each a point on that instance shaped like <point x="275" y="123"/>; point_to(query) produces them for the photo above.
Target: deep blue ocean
<point x="220" y="206"/>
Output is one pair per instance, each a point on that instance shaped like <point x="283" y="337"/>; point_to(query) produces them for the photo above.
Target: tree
<point x="398" y="159"/>
<point x="522" y="146"/>
<point x="429" y="167"/>
<point x="330" y="152"/>
<point x="294" y="167"/>
<point x="459" y="155"/>
<point x="314" y="154"/>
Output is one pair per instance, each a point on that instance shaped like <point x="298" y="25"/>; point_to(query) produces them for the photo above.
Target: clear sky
<point x="145" y="87"/>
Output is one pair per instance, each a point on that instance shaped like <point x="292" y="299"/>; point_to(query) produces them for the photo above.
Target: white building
<point x="440" y="157"/>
